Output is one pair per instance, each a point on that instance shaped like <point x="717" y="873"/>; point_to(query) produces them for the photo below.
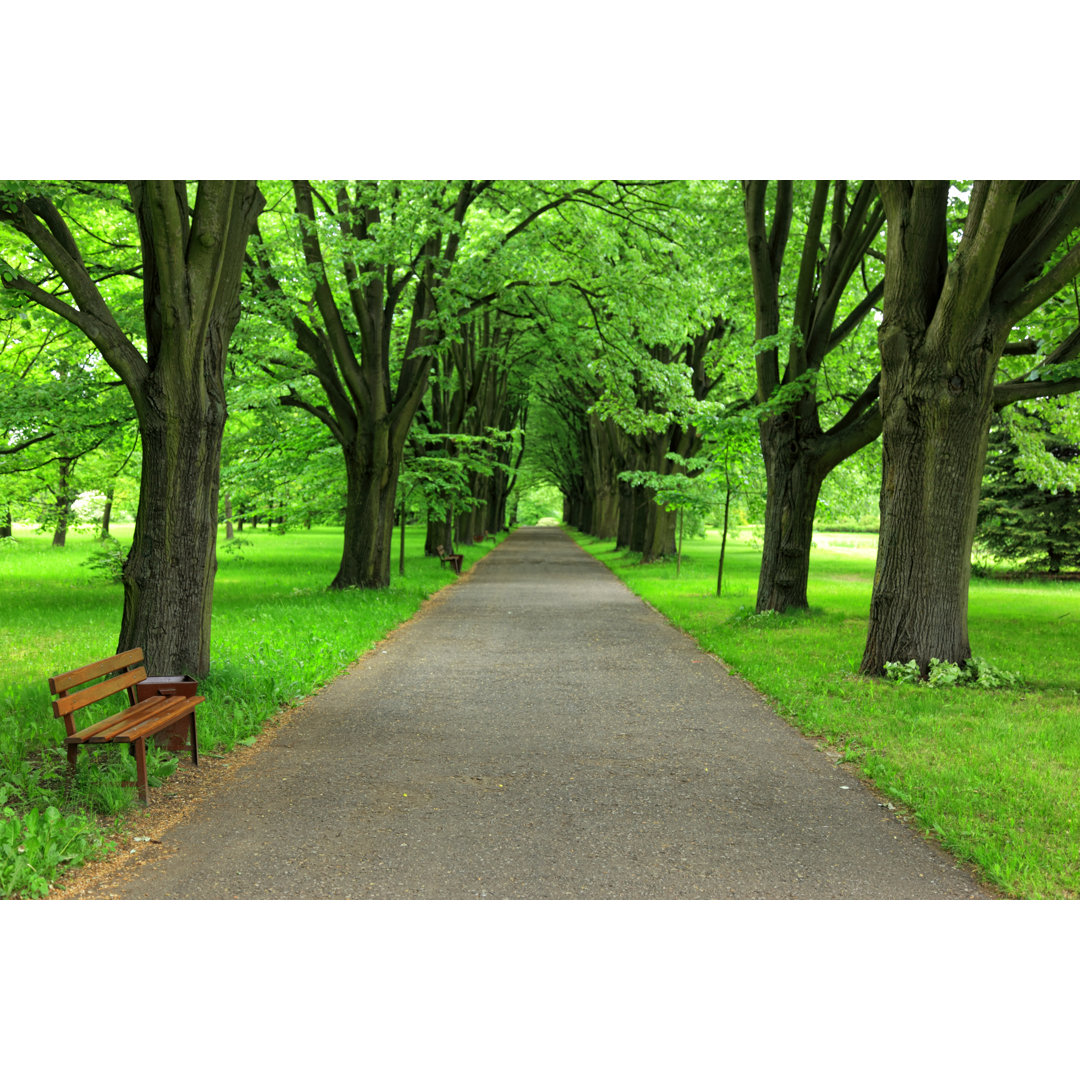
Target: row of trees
<point x="422" y="334"/>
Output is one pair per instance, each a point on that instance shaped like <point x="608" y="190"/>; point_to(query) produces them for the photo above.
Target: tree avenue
<point x="627" y="338"/>
<point x="947" y="320"/>
<point x="190" y="260"/>
<point x="443" y="249"/>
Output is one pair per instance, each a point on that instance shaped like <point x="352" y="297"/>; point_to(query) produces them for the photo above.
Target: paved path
<point x="540" y="733"/>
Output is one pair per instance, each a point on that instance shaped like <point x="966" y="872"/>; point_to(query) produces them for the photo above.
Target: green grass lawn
<point x="277" y="635"/>
<point x="993" y="774"/>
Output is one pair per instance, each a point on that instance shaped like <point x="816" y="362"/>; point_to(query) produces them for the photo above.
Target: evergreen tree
<point x="1020" y="519"/>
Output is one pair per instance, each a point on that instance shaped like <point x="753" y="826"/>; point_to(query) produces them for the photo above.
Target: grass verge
<point x="994" y="775"/>
<point x="278" y="634"/>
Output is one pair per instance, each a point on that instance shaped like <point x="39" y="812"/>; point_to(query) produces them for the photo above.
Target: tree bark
<point x="602" y="457"/>
<point x="933" y="454"/>
<point x="793" y="483"/>
<point x="371" y="472"/>
<point x="169" y="572"/>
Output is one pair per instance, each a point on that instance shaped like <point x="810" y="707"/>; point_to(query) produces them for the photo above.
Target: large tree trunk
<point x="659" y="539"/>
<point x="169" y="572"/>
<point x="936" y="425"/>
<point x="440" y="533"/>
<point x="656" y="539"/>
<point x="601" y="465"/>
<point x="793" y="484"/>
<point x="371" y="471"/>
<point x="496" y="507"/>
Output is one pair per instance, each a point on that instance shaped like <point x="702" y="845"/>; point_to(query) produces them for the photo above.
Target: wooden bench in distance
<point x="453" y="560"/>
<point x="151" y="716"/>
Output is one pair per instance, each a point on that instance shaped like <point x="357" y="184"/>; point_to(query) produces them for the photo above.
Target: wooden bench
<point x="453" y="560"/>
<point x="161" y="708"/>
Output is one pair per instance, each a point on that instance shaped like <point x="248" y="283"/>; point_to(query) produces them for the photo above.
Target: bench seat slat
<point x="133" y="721"/>
<point x="178" y="707"/>
<point x="105" y="729"/>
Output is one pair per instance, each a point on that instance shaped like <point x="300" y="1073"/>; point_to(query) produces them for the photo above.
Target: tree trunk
<point x="793" y="484"/>
<point x="228" y="518"/>
<point x="436" y="533"/>
<point x="169" y="572"/>
<point x="371" y="473"/>
<point x="628" y="505"/>
<point x="106" y="515"/>
<point x="63" y="504"/>
<point x="1054" y="557"/>
<point x="601" y="460"/>
<point x="723" y="543"/>
<point x="496" y="508"/>
<point x="658" y="541"/>
<point x="6" y="523"/>
<point x="934" y="448"/>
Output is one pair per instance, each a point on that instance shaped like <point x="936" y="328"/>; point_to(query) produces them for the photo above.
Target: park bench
<point x="453" y="560"/>
<point x="160" y="708"/>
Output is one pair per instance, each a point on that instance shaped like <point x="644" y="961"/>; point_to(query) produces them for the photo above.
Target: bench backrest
<point x="66" y="703"/>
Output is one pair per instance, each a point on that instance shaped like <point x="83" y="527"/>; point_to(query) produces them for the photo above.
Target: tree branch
<point x="294" y="400"/>
<point x="858" y="313"/>
<point x="863" y="402"/>
<point x="27" y="443"/>
<point x="765" y="273"/>
<point x="1040" y="291"/>
<point x="1025" y="388"/>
